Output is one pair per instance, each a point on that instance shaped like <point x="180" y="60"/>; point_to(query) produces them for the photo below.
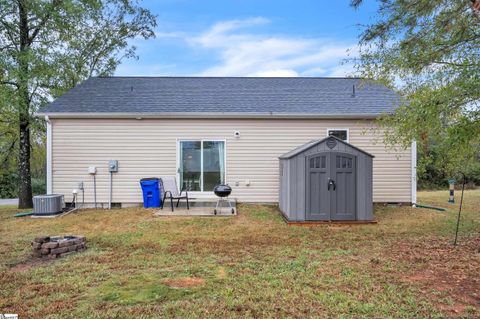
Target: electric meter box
<point x="113" y="166"/>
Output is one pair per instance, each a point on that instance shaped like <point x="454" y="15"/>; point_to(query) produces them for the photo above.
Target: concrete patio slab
<point x="198" y="209"/>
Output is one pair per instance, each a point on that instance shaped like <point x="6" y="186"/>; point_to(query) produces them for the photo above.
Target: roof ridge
<point x="227" y="77"/>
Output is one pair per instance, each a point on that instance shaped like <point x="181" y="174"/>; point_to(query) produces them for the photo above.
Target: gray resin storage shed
<point x="326" y="180"/>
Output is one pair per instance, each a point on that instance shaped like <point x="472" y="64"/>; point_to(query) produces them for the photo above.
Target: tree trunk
<point x="25" y="185"/>
<point x="24" y="175"/>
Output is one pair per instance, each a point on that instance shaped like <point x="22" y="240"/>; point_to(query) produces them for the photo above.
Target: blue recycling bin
<point x="151" y="192"/>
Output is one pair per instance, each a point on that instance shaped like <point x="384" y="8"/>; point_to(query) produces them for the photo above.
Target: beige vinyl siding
<point x="148" y="147"/>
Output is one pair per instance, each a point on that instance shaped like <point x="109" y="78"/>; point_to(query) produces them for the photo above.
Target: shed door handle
<point x="331" y="182"/>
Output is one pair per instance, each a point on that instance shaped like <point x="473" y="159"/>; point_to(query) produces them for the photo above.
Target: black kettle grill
<point x="222" y="191"/>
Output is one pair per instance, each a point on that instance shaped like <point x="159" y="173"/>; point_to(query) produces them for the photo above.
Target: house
<point x="209" y="130"/>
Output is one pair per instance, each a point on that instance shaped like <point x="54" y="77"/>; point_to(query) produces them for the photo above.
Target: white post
<point x="110" y="194"/>
<point x="414" y="172"/>
<point x="49" y="181"/>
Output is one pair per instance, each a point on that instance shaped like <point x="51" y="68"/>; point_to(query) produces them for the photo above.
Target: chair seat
<point x="177" y="197"/>
<point x="171" y="192"/>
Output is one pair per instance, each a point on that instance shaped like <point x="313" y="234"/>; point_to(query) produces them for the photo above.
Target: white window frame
<point x="201" y="140"/>
<point x="340" y="129"/>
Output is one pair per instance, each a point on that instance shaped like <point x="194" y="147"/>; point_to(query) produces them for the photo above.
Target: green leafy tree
<point x="430" y="52"/>
<point x="48" y="47"/>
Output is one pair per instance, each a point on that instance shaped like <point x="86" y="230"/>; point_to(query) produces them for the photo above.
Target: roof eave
<point x="202" y="115"/>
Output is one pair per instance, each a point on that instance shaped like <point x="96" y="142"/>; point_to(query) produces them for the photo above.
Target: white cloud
<point x="218" y="32"/>
<point x="242" y="53"/>
<point x="276" y="73"/>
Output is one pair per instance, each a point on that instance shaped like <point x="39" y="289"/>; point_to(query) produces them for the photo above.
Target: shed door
<point x="344" y="194"/>
<point x="331" y="187"/>
<point x="318" y="197"/>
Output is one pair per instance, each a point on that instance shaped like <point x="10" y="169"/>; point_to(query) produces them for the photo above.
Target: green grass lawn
<point x="252" y="265"/>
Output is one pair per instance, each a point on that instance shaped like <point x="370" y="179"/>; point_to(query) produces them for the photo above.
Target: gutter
<point x="202" y="115"/>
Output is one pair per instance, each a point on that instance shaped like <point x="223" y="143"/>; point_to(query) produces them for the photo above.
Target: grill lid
<point x="222" y="190"/>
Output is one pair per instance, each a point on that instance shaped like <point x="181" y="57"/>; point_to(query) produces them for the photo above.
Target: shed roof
<point x="313" y="143"/>
<point x="228" y="96"/>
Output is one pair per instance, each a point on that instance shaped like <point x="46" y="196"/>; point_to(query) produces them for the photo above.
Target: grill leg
<point x="218" y="205"/>
<point x="232" y="210"/>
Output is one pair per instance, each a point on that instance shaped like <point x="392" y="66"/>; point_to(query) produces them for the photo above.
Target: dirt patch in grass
<point x="29" y="263"/>
<point x="440" y="269"/>
<point x="455" y="309"/>
<point x="57" y="306"/>
<point x="184" y="282"/>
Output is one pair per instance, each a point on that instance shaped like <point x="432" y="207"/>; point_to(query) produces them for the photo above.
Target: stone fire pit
<point x="55" y="247"/>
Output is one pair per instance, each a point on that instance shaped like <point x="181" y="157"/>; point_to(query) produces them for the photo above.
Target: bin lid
<point x="149" y="179"/>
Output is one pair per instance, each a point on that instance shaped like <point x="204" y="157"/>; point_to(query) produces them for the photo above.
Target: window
<point x="318" y="162"/>
<point x="201" y="164"/>
<point x="343" y="162"/>
<point x="339" y="133"/>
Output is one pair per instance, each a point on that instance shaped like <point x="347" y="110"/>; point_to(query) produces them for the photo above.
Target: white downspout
<point x="110" y="193"/>
<point x="49" y="156"/>
<point x="414" y="172"/>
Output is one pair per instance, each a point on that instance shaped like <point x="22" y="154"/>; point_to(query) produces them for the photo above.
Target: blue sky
<point x="250" y="38"/>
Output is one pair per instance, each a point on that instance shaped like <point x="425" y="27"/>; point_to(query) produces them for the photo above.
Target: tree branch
<point x="43" y="21"/>
<point x="454" y="64"/>
<point x="34" y="91"/>
<point x="7" y="47"/>
<point x="10" y="83"/>
<point x="9" y="31"/>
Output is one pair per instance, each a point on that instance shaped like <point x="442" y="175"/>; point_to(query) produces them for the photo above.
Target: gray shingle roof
<point x="225" y="95"/>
